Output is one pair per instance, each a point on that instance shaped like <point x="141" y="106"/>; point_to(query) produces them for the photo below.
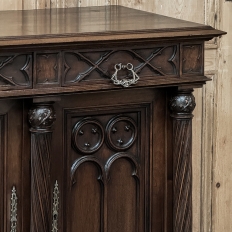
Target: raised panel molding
<point x="192" y="59"/>
<point x="47" y="70"/>
<point x="113" y="175"/>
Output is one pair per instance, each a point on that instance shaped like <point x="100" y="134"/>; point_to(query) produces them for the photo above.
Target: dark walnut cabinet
<point x="96" y="119"/>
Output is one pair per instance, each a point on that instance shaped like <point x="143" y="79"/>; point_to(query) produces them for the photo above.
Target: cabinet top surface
<point x="92" y="23"/>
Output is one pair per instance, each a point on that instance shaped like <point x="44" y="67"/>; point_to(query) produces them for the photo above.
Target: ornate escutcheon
<point x="124" y="82"/>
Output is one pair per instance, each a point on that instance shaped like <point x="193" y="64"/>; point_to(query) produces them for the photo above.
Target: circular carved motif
<point x="121" y="133"/>
<point x="87" y="136"/>
<point x="41" y="117"/>
<point x="182" y="103"/>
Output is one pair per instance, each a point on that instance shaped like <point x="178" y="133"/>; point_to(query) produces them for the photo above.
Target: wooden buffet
<point x="96" y="118"/>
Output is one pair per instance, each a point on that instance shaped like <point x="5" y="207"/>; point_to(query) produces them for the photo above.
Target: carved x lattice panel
<point x="157" y="61"/>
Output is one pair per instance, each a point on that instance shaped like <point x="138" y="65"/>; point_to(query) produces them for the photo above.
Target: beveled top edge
<point x="78" y="24"/>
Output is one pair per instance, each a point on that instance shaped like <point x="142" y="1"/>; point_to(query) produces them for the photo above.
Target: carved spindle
<point x="41" y="118"/>
<point x="181" y="107"/>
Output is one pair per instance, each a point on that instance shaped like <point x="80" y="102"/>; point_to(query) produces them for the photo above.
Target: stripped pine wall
<point x="212" y="145"/>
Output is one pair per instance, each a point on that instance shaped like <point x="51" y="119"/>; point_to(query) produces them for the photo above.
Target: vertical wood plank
<point x="201" y="12"/>
<point x="185" y="9"/>
<point x="43" y="4"/>
<point x="29" y="4"/>
<point x="11" y="5"/>
<point x="211" y="17"/>
<point x="94" y="2"/>
<point x="71" y="3"/>
<point x="208" y="124"/>
<point x="196" y="160"/>
<point x="222" y="179"/>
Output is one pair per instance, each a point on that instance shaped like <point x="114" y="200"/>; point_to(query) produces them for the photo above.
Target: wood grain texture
<point x="40" y="182"/>
<point x="11" y="5"/>
<point x="182" y="211"/>
<point x="113" y="23"/>
<point x="110" y="186"/>
<point x="41" y="118"/>
<point x="197" y="161"/>
<point x="2" y="172"/>
<point x="182" y="104"/>
<point x="197" y="11"/>
<point x="209" y="133"/>
<point x="222" y="160"/>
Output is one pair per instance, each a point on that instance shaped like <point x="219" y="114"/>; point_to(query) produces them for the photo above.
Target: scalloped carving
<point x="82" y="160"/>
<point x="16" y="71"/>
<point x="122" y="155"/>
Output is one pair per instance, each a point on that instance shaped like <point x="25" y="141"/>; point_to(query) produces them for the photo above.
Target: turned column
<point x="41" y="119"/>
<point x="181" y="106"/>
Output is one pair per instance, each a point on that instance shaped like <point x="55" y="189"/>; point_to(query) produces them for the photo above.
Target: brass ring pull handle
<point x="124" y="82"/>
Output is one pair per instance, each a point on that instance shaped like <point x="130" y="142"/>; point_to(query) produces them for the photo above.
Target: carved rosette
<point x="182" y="106"/>
<point x="41" y="118"/>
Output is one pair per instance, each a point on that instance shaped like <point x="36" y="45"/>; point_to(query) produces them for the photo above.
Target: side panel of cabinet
<point x="109" y="160"/>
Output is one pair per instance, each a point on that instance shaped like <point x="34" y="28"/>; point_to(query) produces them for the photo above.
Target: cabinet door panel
<point x="86" y="199"/>
<point x="108" y="154"/>
<point x="123" y="197"/>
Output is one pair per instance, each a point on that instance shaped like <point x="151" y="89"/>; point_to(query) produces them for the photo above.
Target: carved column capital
<point x="182" y="104"/>
<point x="41" y="117"/>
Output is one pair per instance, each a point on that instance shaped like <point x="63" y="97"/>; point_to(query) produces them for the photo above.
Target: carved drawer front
<point x="15" y="71"/>
<point x="107" y="176"/>
<point x="48" y="69"/>
<point x="153" y="62"/>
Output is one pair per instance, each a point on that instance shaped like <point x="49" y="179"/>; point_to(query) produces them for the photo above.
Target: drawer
<point x="151" y="62"/>
<point x="93" y="69"/>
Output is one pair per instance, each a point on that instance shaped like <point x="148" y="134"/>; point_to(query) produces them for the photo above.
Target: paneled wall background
<point x="212" y="134"/>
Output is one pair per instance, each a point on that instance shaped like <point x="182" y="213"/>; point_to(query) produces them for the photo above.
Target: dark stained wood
<point x="100" y="23"/>
<point x="182" y="105"/>
<point x="109" y="160"/>
<point x="2" y="169"/>
<point x="113" y="161"/>
<point x="41" y="118"/>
